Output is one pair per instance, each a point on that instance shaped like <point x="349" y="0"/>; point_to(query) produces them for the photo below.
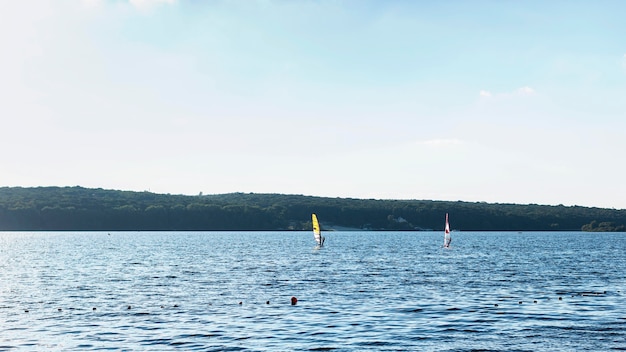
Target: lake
<point x="379" y="291"/>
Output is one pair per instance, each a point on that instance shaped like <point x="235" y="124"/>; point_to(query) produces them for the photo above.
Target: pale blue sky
<point x="495" y="101"/>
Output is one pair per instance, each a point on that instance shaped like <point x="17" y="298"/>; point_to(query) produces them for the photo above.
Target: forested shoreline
<point x="88" y="209"/>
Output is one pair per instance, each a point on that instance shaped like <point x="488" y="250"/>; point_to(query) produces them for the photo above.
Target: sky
<point x="481" y="101"/>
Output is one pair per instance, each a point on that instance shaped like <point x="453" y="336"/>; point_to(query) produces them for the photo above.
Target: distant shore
<point x="86" y="209"/>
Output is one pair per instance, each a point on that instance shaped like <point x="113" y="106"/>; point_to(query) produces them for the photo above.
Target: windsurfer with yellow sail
<point x="317" y="233"/>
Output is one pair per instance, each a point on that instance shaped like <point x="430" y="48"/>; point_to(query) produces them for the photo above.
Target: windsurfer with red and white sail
<point x="447" y="238"/>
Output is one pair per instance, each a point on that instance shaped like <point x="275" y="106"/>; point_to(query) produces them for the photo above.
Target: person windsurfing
<point x="447" y="238"/>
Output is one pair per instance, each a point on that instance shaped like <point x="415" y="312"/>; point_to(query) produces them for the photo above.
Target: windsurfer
<point x="447" y="239"/>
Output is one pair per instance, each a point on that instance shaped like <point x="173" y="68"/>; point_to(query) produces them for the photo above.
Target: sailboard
<point x="317" y="232"/>
<point x="447" y="238"/>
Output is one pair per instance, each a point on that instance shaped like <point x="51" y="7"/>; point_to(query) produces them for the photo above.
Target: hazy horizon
<point x="478" y="101"/>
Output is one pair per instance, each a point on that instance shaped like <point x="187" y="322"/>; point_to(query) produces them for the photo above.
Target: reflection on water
<point x="361" y="291"/>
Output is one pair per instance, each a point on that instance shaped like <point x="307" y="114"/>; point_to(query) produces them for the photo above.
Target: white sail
<point x="447" y="238"/>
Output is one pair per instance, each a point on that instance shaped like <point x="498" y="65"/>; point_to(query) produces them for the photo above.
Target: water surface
<point x="363" y="291"/>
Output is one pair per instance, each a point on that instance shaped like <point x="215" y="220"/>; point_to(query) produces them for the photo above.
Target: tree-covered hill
<point x="78" y="208"/>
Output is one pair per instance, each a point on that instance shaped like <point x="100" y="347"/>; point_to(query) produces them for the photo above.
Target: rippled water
<point x="362" y="291"/>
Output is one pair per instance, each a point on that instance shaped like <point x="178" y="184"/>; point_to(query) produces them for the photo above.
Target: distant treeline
<point x="84" y="209"/>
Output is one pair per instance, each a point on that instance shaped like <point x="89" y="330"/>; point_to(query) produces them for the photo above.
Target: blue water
<point x="383" y="291"/>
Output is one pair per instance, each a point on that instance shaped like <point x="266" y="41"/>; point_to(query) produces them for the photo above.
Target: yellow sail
<point x="317" y="233"/>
